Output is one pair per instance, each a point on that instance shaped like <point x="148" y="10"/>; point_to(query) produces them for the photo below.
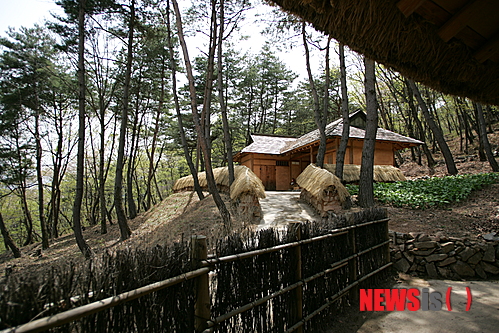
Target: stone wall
<point x="444" y="257"/>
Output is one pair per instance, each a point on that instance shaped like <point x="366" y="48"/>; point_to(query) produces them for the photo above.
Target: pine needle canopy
<point x="316" y="181"/>
<point x="451" y="46"/>
<point x="245" y="181"/>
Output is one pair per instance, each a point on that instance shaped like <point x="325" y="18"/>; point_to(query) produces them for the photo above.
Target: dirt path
<point x="482" y="317"/>
<point x="281" y="208"/>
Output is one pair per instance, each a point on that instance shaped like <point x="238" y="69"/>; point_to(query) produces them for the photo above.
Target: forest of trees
<point x="103" y="108"/>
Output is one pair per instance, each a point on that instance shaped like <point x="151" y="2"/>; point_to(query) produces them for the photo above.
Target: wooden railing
<point x="204" y="295"/>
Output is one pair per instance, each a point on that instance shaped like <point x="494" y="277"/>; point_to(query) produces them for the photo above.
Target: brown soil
<point x="178" y="216"/>
<point x="477" y="215"/>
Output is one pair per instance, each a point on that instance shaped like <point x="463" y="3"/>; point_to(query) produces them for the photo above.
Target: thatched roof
<point x="382" y="173"/>
<point x="316" y="180"/>
<point x="245" y="181"/>
<point x="451" y="46"/>
<point x="276" y="145"/>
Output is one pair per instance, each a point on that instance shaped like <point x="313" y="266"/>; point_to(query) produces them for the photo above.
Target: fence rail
<point x="359" y="261"/>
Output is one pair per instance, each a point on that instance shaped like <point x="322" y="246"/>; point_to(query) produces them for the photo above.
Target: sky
<point x="17" y="13"/>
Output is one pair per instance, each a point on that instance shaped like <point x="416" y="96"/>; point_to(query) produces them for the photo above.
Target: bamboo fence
<point x="269" y="282"/>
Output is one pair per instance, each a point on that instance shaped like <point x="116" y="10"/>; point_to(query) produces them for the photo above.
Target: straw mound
<point x="388" y="173"/>
<point x="351" y="172"/>
<point x="316" y="180"/>
<point x="245" y="181"/>
<point x="382" y="173"/>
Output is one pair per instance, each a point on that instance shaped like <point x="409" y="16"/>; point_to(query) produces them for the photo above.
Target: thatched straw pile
<point x="382" y="173"/>
<point x="245" y="181"/>
<point x="317" y="181"/>
<point x="388" y="173"/>
<point x="351" y="172"/>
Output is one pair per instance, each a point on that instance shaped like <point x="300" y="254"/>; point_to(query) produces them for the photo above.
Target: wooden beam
<point x="457" y="22"/>
<point x="407" y="7"/>
<point x="488" y="50"/>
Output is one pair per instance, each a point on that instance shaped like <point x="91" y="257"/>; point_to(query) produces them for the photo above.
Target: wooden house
<point x="276" y="160"/>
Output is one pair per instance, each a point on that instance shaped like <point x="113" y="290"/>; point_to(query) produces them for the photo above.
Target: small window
<point x="282" y="163"/>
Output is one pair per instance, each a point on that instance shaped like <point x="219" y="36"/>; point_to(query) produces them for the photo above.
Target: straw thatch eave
<point x="317" y="181"/>
<point x="410" y="45"/>
<point x="245" y="182"/>
<point x="381" y="173"/>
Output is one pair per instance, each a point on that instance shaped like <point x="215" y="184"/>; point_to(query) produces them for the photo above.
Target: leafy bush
<point x="424" y="193"/>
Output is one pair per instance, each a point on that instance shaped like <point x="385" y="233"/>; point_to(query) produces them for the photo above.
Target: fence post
<point x="387" y="251"/>
<point x="202" y="311"/>
<point x="297" y="296"/>
<point x="353" y="265"/>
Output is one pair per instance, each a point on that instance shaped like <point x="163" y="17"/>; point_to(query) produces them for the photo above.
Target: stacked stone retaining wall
<point x="444" y="257"/>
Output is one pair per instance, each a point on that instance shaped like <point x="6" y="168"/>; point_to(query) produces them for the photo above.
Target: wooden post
<point x="387" y="232"/>
<point x="353" y="265"/>
<point x="297" y="297"/>
<point x="202" y="312"/>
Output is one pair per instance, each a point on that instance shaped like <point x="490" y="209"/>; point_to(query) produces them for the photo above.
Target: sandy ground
<point x="483" y="316"/>
<point x="282" y="208"/>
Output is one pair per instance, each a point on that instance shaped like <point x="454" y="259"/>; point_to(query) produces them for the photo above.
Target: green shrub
<point x="424" y="193"/>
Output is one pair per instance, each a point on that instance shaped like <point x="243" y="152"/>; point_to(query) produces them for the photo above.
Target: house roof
<point x="267" y="144"/>
<point x="276" y="145"/>
<point x="451" y="46"/>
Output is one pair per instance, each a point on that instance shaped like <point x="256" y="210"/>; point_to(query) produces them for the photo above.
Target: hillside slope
<point x="177" y="217"/>
<point x="182" y="215"/>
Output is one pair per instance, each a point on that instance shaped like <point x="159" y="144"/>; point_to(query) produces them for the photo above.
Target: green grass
<point x="425" y="193"/>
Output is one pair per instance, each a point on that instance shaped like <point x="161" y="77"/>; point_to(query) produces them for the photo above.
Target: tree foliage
<point x="240" y="90"/>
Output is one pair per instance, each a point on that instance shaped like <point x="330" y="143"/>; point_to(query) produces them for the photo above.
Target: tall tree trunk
<point x="249" y="107"/>
<point x="150" y="170"/>
<point x="9" y="243"/>
<point x="483" y="137"/>
<point x="469" y="138"/>
<point x="118" y="183"/>
<point x="345" y="134"/>
<point x="327" y="85"/>
<point x="488" y="118"/>
<point x="132" y="207"/>
<point x="221" y="97"/>
<point x="366" y="188"/>
<point x="39" y="176"/>
<point x="56" y="177"/>
<point x="203" y="140"/>
<point x="481" y="144"/>
<point x="80" y="164"/>
<point x="102" y="178"/>
<point x="187" y="154"/>
<point x="319" y="119"/>
<point x="439" y="137"/>
<point x="429" y="157"/>
<point x="27" y="220"/>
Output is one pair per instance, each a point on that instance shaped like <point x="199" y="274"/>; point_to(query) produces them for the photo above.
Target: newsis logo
<point x="411" y="299"/>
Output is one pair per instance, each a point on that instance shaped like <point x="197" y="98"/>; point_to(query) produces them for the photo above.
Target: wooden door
<point x="267" y="175"/>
